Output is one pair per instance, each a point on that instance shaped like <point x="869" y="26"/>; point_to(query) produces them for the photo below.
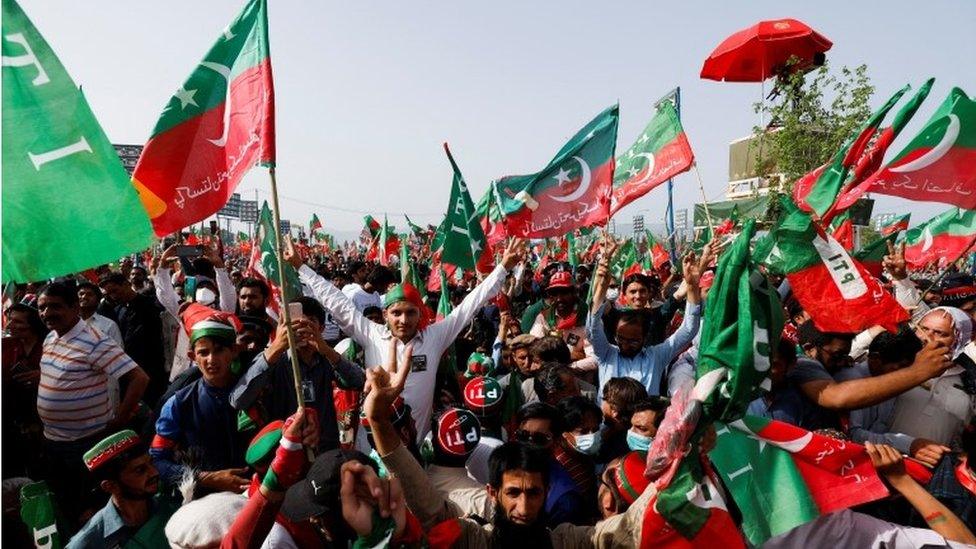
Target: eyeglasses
<point x="530" y="437"/>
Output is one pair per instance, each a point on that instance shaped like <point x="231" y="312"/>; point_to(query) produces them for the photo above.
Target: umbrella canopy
<point x="756" y="53"/>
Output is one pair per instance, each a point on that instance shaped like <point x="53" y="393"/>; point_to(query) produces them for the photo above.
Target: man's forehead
<point x="402" y="306"/>
<point x="519" y="478"/>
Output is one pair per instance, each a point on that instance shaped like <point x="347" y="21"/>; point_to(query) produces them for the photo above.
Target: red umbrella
<point x="756" y="53"/>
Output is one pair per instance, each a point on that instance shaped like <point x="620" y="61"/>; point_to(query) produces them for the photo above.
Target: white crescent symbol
<point x="650" y="166"/>
<point x="224" y="71"/>
<point x="583" y="186"/>
<point x="928" y="239"/>
<point x="937" y="152"/>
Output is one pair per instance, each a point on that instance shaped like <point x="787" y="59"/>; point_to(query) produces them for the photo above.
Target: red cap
<point x="561" y="279"/>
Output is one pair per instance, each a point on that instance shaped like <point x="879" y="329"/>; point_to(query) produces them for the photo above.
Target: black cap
<point x="318" y="493"/>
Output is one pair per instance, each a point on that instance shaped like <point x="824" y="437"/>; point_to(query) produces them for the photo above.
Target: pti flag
<point x="572" y="191"/>
<point x="217" y="125"/>
<point x="860" y="181"/>
<point x="464" y="243"/>
<point x="660" y="153"/>
<point x="838" y="292"/>
<point x="939" y="164"/>
<point x="897" y="224"/>
<point x="817" y="190"/>
<point x="872" y="255"/>
<point x="67" y="201"/>
<point x="782" y="476"/>
<point x="945" y="237"/>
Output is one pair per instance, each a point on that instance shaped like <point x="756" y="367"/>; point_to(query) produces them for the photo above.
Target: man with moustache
<point x="518" y="483"/>
<point x="134" y="515"/>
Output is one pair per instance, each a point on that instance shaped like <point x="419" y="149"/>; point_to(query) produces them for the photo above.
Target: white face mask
<point x="205" y="296"/>
<point x="588" y="444"/>
<point x="613" y="294"/>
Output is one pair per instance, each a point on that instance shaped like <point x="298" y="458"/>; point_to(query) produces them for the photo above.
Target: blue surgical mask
<point x="588" y="444"/>
<point x="639" y="442"/>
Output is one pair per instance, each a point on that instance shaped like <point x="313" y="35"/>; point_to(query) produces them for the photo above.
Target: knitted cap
<point x="457" y="432"/>
<point x="409" y="293"/>
<point x="479" y="365"/>
<point x="109" y="448"/>
<point x="262" y="446"/>
<point x="483" y="396"/>
<point x="629" y="476"/>
<point x="202" y="321"/>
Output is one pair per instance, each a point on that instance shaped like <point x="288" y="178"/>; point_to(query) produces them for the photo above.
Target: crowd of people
<point x="157" y="401"/>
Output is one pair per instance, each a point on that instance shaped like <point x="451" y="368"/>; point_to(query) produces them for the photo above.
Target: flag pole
<point x="670" y="218"/>
<point x="280" y="251"/>
<point x="701" y="187"/>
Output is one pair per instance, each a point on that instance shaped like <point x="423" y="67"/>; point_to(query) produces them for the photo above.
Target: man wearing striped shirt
<point x="72" y="398"/>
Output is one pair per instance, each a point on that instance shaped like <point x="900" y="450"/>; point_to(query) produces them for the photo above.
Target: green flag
<point x="416" y="229"/>
<point x="408" y="274"/>
<point x="741" y="325"/>
<point x="67" y="201"/>
<point x="269" y="259"/>
<point x="38" y="513"/>
<point x="464" y="242"/>
<point x="625" y="257"/>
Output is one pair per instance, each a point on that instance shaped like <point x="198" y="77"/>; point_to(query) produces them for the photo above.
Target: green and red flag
<point x="659" y="256"/>
<point x="314" y="224"/>
<point x="838" y="292"/>
<point x="371" y="226"/>
<point x="872" y="255"/>
<point x="660" y="153"/>
<point x="384" y="242"/>
<point x="818" y="190"/>
<point x="623" y="260"/>
<point x="417" y="230"/>
<point x="842" y="229"/>
<point x="243" y="237"/>
<point x="869" y="163"/>
<point x="896" y="225"/>
<point x="408" y="273"/>
<point x="782" y="476"/>
<point x="217" y="125"/>
<point x="942" y="239"/>
<point x="491" y="217"/>
<point x="67" y="201"/>
<point x="464" y="243"/>
<point x="572" y="191"/>
<point x="264" y="262"/>
<point x="939" y="164"/>
<point x="444" y="307"/>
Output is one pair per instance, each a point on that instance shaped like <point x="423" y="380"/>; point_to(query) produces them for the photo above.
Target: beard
<point x="507" y="534"/>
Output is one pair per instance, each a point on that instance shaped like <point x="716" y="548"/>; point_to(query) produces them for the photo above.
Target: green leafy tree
<point x="808" y="120"/>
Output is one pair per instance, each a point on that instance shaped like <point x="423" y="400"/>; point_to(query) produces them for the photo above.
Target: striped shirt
<point x="72" y="398"/>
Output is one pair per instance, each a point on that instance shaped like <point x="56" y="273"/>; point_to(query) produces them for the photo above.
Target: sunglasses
<point x="529" y="437"/>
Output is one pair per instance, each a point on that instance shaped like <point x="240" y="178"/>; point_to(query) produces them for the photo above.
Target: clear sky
<point x="368" y="91"/>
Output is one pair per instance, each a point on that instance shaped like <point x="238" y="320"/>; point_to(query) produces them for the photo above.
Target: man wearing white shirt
<point x="368" y="292"/>
<point x="407" y="324"/>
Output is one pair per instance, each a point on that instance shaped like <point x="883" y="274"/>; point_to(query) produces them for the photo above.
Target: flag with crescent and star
<point x="464" y="243"/>
<point x="944" y="238"/>
<point x="660" y="153"/>
<point x="217" y="125"/>
<point x="818" y="190"/>
<point x="571" y="192"/>
<point x="264" y="262"/>
<point x="939" y="164"/>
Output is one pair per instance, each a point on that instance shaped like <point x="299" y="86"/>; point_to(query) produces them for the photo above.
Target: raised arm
<point x="343" y="310"/>
<point x="383" y="385"/>
<point x="939" y="518"/>
<point x="461" y="316"/>
<point x="163" y="283"/>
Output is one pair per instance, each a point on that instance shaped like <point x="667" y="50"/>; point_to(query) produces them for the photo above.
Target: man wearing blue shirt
<point x="630" y="357"/>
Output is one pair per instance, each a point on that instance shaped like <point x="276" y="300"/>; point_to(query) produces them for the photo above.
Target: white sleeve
<point x="227" y="291"/>
<point x="449" y="328"/>
<point x="165" y="292"/>
<point x="343" y="310"/>
<point x="909" y="297"/>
